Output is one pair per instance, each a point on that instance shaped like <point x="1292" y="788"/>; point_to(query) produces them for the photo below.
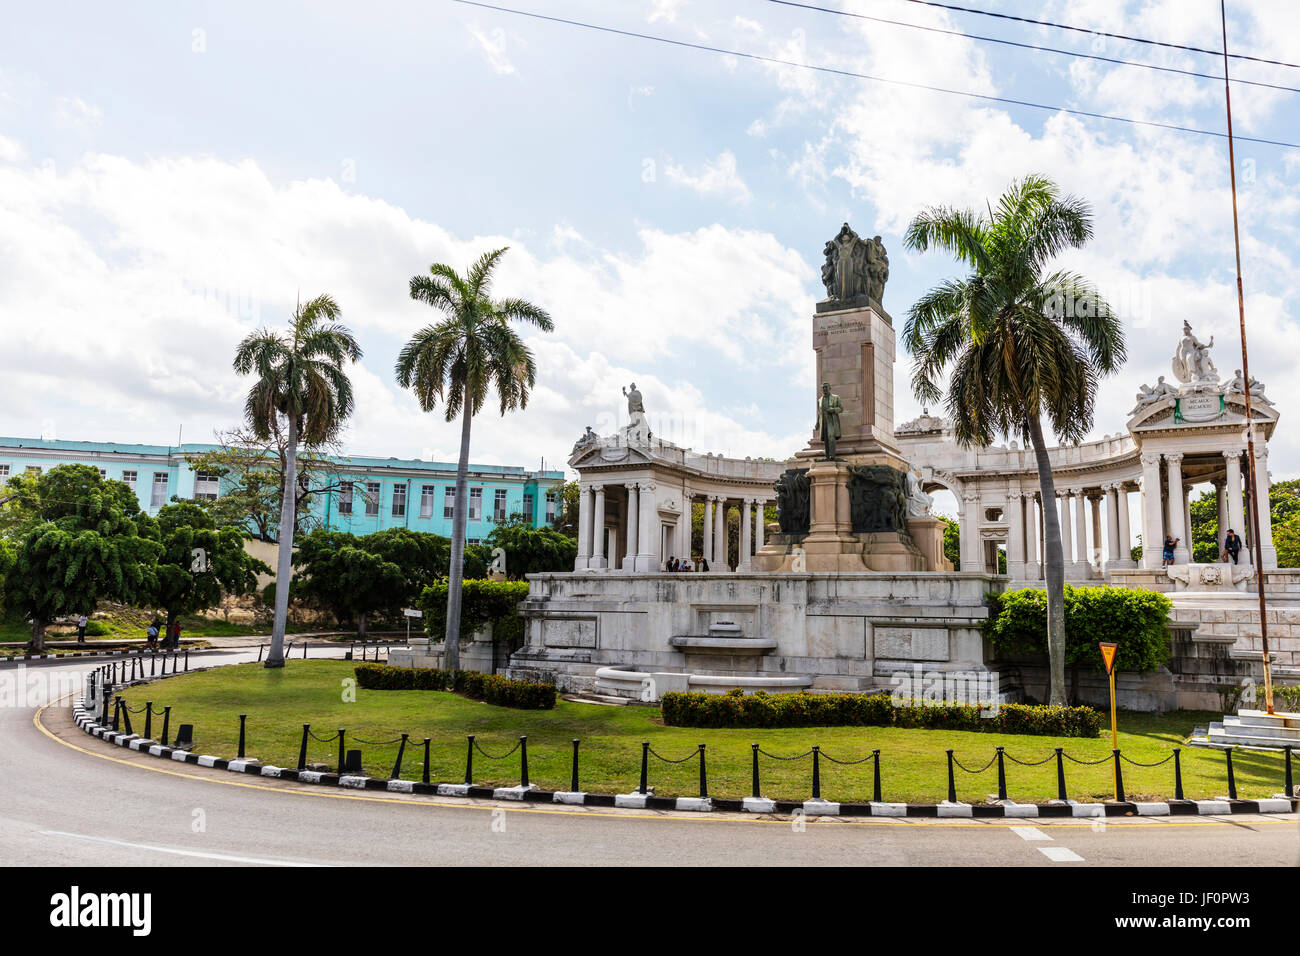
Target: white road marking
<point x="1030" y="833"/>
<point x="178" y="851"/>
<point x="1060" y="854"/>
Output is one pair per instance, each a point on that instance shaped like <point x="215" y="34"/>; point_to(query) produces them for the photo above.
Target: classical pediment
<point x="607" y="452"/>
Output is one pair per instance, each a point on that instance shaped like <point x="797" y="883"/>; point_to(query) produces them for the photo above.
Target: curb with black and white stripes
<point x="649" y="801"/>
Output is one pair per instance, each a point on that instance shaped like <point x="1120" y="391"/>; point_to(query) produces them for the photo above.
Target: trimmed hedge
<point x="1135" y="620"/>
<point x="738" y="709"/>
<point x="492" y="688"/>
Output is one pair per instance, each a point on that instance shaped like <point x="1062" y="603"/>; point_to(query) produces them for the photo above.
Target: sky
<point x="175" y="175"/>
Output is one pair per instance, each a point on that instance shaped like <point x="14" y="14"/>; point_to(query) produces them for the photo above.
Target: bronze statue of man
<point x="829" y="408"/>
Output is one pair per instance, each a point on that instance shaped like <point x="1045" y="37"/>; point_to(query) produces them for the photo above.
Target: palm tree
<point x="1022" y="342"/>
<point x="300" y="386"/>
<point x="456" y="362"/>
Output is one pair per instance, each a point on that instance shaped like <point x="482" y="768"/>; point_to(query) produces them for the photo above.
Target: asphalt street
<point x="71" y="799"/>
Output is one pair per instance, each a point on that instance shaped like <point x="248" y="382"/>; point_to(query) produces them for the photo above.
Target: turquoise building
<point x="377" y="493"/>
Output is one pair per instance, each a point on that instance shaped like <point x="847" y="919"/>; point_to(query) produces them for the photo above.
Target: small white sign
<point x="412" y="612"/>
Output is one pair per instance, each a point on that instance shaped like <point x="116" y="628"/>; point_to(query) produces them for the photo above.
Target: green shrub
<point x="483" y="602"/>
<point x="495" y="689"/>
<point x="97" y="629"/>
<point x="1135" y="620"/>
<point x="737" y="709"/>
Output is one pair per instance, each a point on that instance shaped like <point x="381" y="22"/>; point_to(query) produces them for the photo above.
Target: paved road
<point x="71" y="799"/>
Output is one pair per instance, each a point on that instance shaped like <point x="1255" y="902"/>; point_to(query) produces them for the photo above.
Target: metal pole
<point x="817" y="773"/>
<point x="1256" y="544"/>
<point x="425" y="776"/>
<point x="1178" y="773"/>
<point x="704" y="780"/>
<point x="875" y="783"/>
<point x="342" y="736"/>
<point x="952" y="783"/>
<point x="302" y="751"/>
<point x="573" y="783"/>
<point x="148" y="720"/>
<point x="1232" y="778"/>
<point x="167" y="719"/>
<point x="1002" y="777"/>
<point x="469" y="760"/>
<point x="1060" y="776"/>
<point x="754" y="773"/>
<point x="397" y="767"/>
<point x="645" y="760"/>
<point x="1119" y="780"/>
<point x="243" y="718"/>
<point x="523" y="761"/>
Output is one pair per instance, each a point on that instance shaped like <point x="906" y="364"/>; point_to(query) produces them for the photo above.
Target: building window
<point x="372" y="499"/>
<point x="32" y="470"/>
<point x="345" y="499"/>
<point x="426" y="500"/>
<point x="528" y="508"/>
<point x="499" y="505"/>
<point x="4" y="474"/>
<point x="449" y="503"/>
<point x="128" y="479"/>
<point x="159" y="498"/>
<point x="399" y="501"/>
<point x="475" y="504"/>
<point x="205" y="486"/>
<point x="103" y="473"/>
<point x="550" y="507"/>
<point x="473" y="540"/>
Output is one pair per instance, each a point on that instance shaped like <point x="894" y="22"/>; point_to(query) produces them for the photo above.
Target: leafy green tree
<point x="1020" y="339"/>
<point x="951" y="540"/>
<point x="85" y="540"/>
<point x="301" y="392"/>
<point x="455" y="363"/>
<point x="350" y="581"/>
<point x="566" y="516"/>
<point x="1204" y="510"/>
<point x="531" y="550"/>
<point x="199" y="562"/>
<point x="423" y="557"/>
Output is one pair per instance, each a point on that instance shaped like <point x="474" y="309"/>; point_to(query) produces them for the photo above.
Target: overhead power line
<point x="1033" y="46"/>
<point x="986" y="97"/>
<point x="1100" y="33"/>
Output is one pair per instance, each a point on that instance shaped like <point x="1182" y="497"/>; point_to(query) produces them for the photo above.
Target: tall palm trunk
<point x="284" y="564"/>
<point x="451" y="649"/>
<point x="1053" y="567"/>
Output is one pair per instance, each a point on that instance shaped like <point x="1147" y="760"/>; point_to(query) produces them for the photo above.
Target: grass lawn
<point x="913" y="763"/>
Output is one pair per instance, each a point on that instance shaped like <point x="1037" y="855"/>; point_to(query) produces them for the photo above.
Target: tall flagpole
<point x="1256" y="544"/>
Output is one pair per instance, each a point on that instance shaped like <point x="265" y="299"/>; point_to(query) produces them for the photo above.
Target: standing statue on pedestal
<point x="829" y="409"/>
<point x="638" y="428"/>
<point x="1192" y="364"/>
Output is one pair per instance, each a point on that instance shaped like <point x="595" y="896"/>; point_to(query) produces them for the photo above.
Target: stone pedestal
<point x="927" y="535"/>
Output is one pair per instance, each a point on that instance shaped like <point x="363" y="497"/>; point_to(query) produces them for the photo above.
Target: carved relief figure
<point x="877" y="499"/>
<point x="793" y="499"/>
<point x="855" y="268"/>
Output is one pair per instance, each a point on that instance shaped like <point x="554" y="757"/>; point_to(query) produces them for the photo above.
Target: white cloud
<point x="717" y="177"/>
<point x="493" y="46"/>
<point x="75" y="113"/>
<point x="11" y="151"/>
<point x="665" y="10"/>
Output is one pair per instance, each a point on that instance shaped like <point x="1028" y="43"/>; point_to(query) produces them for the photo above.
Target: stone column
<point x="1236" y="504"/>
<point x="1067" y="532"/>
<point x="1265" y="512"/>
<point x="758" y="527"/>
<point x="648" y="536"/>
<point x="719" y="562"/>
<point x="1221" y="495"/>
<point x="972" y="559"/>
<point x="1082" y="566"/>
<point x="1177" y="513"/>
<point x="584" y="529"/>
<point x="1094" y="512"/>
<point x="1031" y="538"/>
<point x="683" y="543"/>
<point x="706" y="535"/>
<point x="1112" y="524"/>
<point x="746" y="509"/>
<point x="1152" y="526"/>
<point x="1015" y="535"/>
<point x="1125" y="538"/>
<point x="598" y="529"/>
<point x="631" y="532"/>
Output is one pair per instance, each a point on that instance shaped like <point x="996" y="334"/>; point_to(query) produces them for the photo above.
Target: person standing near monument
<point x="829" y="408"/>
<point x="1232" y="545"/>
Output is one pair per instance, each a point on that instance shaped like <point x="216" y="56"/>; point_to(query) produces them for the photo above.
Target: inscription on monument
<point x="569" y="632"/>
<point x="911" y="643"/>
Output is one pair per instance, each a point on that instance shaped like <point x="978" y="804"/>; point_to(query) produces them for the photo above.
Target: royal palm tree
<point x="455" y="363"/>
<point x="1023" y="340"/>
<point x="301" y="387"/>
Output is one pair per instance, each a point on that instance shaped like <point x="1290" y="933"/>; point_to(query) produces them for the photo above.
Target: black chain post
<point x="704" y="780"/>
<point x="817" y="773"/>
<point x="342" y="753"/>
<point x="304" y="649"/>
<point x="1178" y="773"/>
<point x="260" y="648"/>
<point x="397" y="767"/>
<point x="1232" y="778"/>
<point x="167" y="719"/>
<point x="573" y="782"/>
<point x="243" y="719"/>
<point x="424" y="778"/>
<point x="952" y="783"/>
<point x="755" y="771"/>
<point x="117" y="710"/>
<point x="153" y="663"/>
<point x="187" y="660"/>
<point x="1119" y="779"/>
<point x="523" y="761"/>
<point x="875" y="773"/>
<point x="302" y="750"/>
<point x="645" y="762"/>
<point x="1290" y="787"/>
<point x="1002" y="777"/>
<point x="469" y="758"/>
<point x="148" y="720"/>
<point x="126" y="717"/>
<point x="1060" y="776"/>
